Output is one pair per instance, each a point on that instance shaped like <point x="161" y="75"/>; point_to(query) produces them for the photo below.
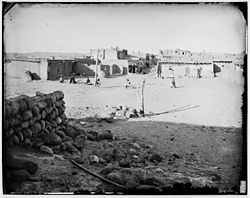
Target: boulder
<point x="58" y="103"/>
<point x="37" y="142"/>
<point x="149" y="146"/>
<point x="139" y="174"/>
<point x="63" y="147"/>
<point x="79" y="141"/>
<point x="155" y="157"/>
<point x="58" y="120"/>
<point x="69" y="147"/>
<point x="41" y="105"/>
<point x="43" y="114"/>
<point x="29" y="102"/>
<point x="124" y="163"/>
<point x="17" y="129"/>
<point x="6" y="125"/>
<point x="151" y="180"/>
<point x="108" y="155"/>
<point x="48" y="110"/>
<point x="27" y="133"/>
<point x="46" y="149"/>
<point x="56" y="111"/>
<point x="105" y="135"/>
<point x="108" y="169"/>
<point x="43" y="125"/>
<point x="53" y="115"/>
<point x="32" y="121"/>
<point x="35" y="110"/>
<point x="131" y="184"/>
<point x="38" y="93"/>
<point x="18" y="119"/>
<point x="27" y="142"/>
<point x="20" y="162"/>
<point x="61" y="134"/>
<point x="19" y="175"/>
<point x="15" y="139"/>
<point x="53" y="124"/>
<point x="9" y="133"/>
<point x="102" y="161"/>
<point x="52" y="139"/>
<point x="71" y="132"/>
<point x="27" y="115"/>
<point x="20" y="137"/>
<point x="15" y="107"/>
<point x="49" y="101"/>
<point x="23" y="105"/>
<point x="12" y="121"/>
<point x="36" y="128"/>
<point x="93" y="159"/>
<point x="7" y="110"/>
<point x="60" y="111"/>
<point x="136" y="145"/>
<point x="115" y="177"/>
<point x="25" y="124"/>
<point x="145" y="188"/>
<point x="63" y="117"/>
<point x="56" y="148"/>
<point x="132" y="151"/>
<point x="59" y="95"/>
<point x="92" y="135"/>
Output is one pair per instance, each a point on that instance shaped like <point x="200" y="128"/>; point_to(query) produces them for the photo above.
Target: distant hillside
<point x="63" y="55"/>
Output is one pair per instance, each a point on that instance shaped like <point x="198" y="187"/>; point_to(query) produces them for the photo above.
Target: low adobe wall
<point x="17" y="67"/>
<point x="30" y="120"/>
<point x="189" y="70"/>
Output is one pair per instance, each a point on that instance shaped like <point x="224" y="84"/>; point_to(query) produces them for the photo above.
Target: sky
<point x="139" y="27"/>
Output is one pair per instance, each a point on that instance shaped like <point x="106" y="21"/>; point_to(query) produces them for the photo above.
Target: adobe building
<point x="112" y="60"/>
<point x="48" y="69"/>
<point x="184" y="63"/>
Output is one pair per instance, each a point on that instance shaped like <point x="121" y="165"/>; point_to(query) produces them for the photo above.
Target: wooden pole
<point x="142" y="98"/>
<point x="98" y="176"/>
<point x="96" y="66"/>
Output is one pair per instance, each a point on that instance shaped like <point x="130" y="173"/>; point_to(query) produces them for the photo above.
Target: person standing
<point x="159" y="70"/>
<point x="172" y="77"/>
<point x="61" y="79"/>
<point x="72" y="79"/>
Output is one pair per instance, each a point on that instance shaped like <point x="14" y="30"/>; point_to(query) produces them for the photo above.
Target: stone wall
<point x="35" y="121"/>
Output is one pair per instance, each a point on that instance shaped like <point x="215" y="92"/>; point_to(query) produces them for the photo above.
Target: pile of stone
<point x="40" y="122"/>
<point x="125" y="112"/>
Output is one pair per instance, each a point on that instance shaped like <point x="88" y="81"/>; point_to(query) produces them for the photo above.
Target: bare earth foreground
<point x="195" y="128"/>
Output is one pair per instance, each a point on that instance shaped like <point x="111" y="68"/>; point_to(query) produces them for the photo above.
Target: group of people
<point x="73" y="80"/>
<point x="172" y="76"/>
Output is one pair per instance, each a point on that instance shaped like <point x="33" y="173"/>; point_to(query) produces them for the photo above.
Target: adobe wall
<point x="116" y="66"/>
<point x="181" y="70"/>
<point x="34" y="121"/>
<point x="59" y="67"/>
<point x="17" y="67"/>
<point x="83" y="68"/>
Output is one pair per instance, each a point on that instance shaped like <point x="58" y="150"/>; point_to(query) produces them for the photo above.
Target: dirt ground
<point x="199" y="123"/>
<point x="205" y="101"/>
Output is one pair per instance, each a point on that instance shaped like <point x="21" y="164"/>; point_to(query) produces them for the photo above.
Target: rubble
<point x="121" y="160"/>
<point x="46" y="149"/>
<point x="156" y="157"/>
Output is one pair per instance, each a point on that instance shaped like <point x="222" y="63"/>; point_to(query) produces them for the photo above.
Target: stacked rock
<point x="27" y="119"/>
